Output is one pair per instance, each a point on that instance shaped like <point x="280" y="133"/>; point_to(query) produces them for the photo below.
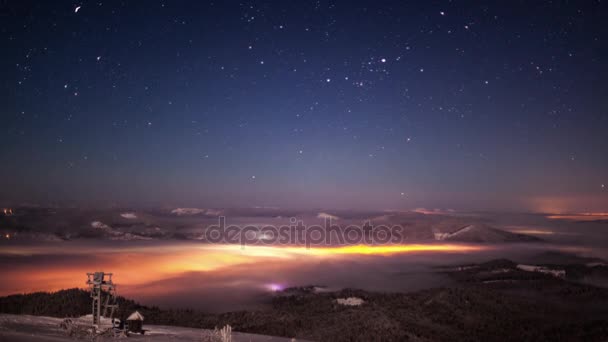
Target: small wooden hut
<point x="135" y="322"/>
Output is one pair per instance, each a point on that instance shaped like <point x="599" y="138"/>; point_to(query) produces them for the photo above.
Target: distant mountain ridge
<point x="483" y="233"/>
<point x="190" y="223"/>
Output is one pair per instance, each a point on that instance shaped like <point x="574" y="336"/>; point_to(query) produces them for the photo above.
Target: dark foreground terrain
<point x="498" y="300"/>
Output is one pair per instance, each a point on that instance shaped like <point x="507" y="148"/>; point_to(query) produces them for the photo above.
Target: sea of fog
<point x="223" y="277"/>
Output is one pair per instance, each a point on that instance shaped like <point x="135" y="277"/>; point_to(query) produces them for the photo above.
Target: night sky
<point x="338" y="104"/>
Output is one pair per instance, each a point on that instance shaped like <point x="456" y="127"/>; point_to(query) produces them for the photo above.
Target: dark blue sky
<point x="342" y="104"/>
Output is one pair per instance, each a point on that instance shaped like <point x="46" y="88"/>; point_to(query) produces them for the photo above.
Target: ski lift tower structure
<point x="103" y="292"/>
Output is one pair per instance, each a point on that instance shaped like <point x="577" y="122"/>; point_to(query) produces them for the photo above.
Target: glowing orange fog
<point x="143" y="264"/>
<point x="580" y="217"/>
<point x="385" y="249"/>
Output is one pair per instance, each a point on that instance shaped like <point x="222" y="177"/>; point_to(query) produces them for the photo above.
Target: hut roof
<point x="136" y="316"/>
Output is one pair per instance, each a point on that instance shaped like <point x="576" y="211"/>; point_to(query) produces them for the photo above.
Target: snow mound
<point x="553" y="272"/>
<point x="327" y="216"/>
<point x="130" y="216"/>
<point x="350" y="301"/>
<point x="100" y="225"/>
<point x="195" y="211"/>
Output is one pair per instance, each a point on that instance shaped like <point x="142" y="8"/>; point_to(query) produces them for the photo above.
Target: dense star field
<point x="342" y="104"/>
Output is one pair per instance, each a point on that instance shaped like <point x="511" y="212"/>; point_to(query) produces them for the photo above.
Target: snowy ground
<point x="24" y="328"/>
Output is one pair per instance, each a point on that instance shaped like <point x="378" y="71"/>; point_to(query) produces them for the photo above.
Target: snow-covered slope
<point x="25" y="328"/>
<point x="482" y="233"/>
<point x="114" y="234"/>
<point x="195" y="211"/>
